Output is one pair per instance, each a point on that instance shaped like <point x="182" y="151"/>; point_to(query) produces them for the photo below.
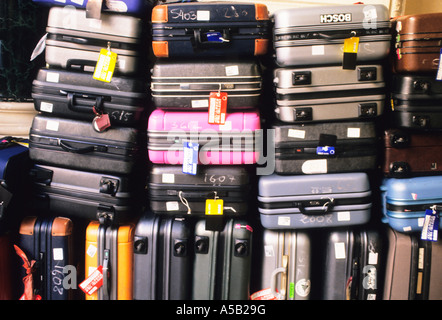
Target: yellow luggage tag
<point x="105" y="66"/>
<point x="351" y="46"/>
<point x="214" y="207"/>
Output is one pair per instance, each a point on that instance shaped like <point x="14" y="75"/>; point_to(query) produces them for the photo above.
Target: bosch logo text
<point x="337" y="17"/>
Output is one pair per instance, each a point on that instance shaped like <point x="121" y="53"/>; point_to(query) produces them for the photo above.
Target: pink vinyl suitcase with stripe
<point x="234" y="142"/>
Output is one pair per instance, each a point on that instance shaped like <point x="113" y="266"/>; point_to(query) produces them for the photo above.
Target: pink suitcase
<point x="234" y="142"/>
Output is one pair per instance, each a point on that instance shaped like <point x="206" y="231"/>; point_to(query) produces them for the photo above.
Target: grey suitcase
<point x="222" y="261"/>
<point x="182" y="84"/>
<point x="412" y="268"/>
<point x="353" y="266"/>
<point x="75" y="41"/>
<point x="315" y="35"/>
<point x="329" y="147"/>
<point x="286" y="266"/>
<point x="162" y="258"/>
<point x="329" y="93"/>
<point x="314" y="201"/>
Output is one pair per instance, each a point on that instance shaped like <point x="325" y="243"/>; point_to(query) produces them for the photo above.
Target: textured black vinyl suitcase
<point x="89" y="195"/>
<point x="353" y="265"/>
<point x="175" y="193"/>
<point x="48" y="241"/>
<point x="412" y="268"/>
<point x="314" y="201"/>
<point x="409" y="153"/>
<point x="162" y="258"/>
<point x="416" y="102"/>
<point x="316" y="35"/>
<point x="74" y="40"/>
<point x="331" y="147"/>
<point x="183" y="84"/>
<point x="329" y="93"/>
<point x="76" y="145"/>
<point x="222" y="262"/>
<point x="286" y="266"/>
<point x="76" y="95"/>
<point x="199" y="29"/>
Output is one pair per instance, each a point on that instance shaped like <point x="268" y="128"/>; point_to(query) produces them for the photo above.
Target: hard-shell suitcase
<point x="49" y="241"/>
<point x="199" y="29"/>
<point x="229" y="143"/>
<point x="16" y="118"/>
<point x="314" y="201"/>
<point x="162" y="258"/>
<point x="222" y="261"/>
<point x="110" y="247"/>
<point x="76" y="95"/>
<point x="183" y="84"/>
<point x="417" y="43"/>
<point x="316" y="35"/>
<point x="329" y="93"/>
<point x="76" y="145"/>
<point x="286" y="266"/>
<point x="330" y="147"/>
<point x="412" y="268"/>
<point x="173" y="192"/>
<point x="405" y="201"/>
<point x="416" y="102"/>
<point x="410" y="153"/>
<point x="74" y="40"/>
<point x="130" y="7"/>
<point x="89" y="195"/>
<point x="353" y="265"/>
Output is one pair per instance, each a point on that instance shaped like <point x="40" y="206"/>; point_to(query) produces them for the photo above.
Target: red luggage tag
<point x="93" y="282"/>
<point x="431" y="224"/>
<point x="101" y="121"/>
<point x="351" y="46"/>
<point x="217" y="107"/>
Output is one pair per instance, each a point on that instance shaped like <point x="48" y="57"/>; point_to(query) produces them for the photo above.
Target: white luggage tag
<point x="431" y="224"/>
<point x="439" y="69"/>
<point x="190" y="158"/>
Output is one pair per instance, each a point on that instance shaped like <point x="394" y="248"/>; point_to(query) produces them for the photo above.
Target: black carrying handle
<point x="343" y="35"/>
<point x="325" y="208"/>
<point x="65" y="146"/>
<point x="73" y="106"/>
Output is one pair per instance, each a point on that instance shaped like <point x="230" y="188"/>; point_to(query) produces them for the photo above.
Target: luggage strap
<point x="28" y="280"/>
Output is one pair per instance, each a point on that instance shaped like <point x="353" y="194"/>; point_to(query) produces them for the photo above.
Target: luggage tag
<point x="190" y="158"/>
<point x="93" y="282"/>
<point x="431" y="224"/>
<point x="101" y="121"/>
<point x="214" y="214"/>
<point x="326" y="145"/>
<point x="105" y="67"/>
<point x="216" y="37"/>
<point x="351" y="46"/>
<point x="217" y="107"/>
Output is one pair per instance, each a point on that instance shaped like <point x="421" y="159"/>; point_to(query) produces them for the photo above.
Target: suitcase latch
<point x="241" y="248"/>
<point x="140" y="245"/>
<point x="180" y="248"/>
<point x="201" y="245"/>
<point x="421" y="121"/>
<point x="303" y="114"/>
<point x="398" y="169"/>
<point x="367" y="74"/>
<point x="109" y="186"/>
<point x="302" y="77"/>
<point x="368" y="110"/>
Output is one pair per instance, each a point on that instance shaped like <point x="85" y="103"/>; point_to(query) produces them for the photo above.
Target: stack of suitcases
<point x="130" y="167"/>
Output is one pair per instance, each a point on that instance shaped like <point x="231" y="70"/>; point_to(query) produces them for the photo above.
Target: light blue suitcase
<point x="406" y="200"/>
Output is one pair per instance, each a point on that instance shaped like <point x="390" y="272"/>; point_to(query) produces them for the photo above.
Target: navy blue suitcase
<point x="214" y="29"/>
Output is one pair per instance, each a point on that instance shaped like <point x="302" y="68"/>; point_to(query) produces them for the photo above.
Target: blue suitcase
<point x="405" y="201"/>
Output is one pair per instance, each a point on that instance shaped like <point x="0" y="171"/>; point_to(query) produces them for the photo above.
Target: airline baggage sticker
<point x="431" y="225"/>
<point x="190" y="158"/>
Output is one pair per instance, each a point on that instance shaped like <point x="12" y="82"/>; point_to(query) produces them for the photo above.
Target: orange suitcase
<point x="112" y="248"/>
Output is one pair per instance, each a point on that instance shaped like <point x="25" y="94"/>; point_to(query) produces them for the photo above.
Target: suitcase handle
<point x="203" y="43"/>
<point x="82" y="108"/>
<point x="69" y="148"/>
<point x="276" y="294"/>
<point x="325" y="208"/>
<point x="338" y="35"/>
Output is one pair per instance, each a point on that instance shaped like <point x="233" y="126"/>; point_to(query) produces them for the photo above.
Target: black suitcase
<point x="175" y="193"/>
<point x="353" y="265"/>
<point x="162" y="258"/>
<point x="198" y="29"/>
<point x="48" y="241"/>
<point x="89" y="195"/>
<point x="76" y="145"/>
<point x="75" y="95"/>
<point x="332" y="147"/>
<point x="416" y="102"/>
<point x="183" y="84"/>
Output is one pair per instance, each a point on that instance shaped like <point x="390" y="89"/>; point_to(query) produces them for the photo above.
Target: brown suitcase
<point x="418" y="42"/>
<point x="6" y="266"/>
<point x="413" y="268"/>
<point x="411" y="153"/>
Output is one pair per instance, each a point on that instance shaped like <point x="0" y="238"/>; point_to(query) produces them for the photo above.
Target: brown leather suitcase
<point x="411" y="153"/>
<point x="418" y="42"/>
<point x="6" y="266"/>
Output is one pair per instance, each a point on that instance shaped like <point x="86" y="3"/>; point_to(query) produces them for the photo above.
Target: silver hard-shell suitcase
<point x="315" y="35"/>
<point x="329" y="93"/>
<point x="286" y="266"/>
